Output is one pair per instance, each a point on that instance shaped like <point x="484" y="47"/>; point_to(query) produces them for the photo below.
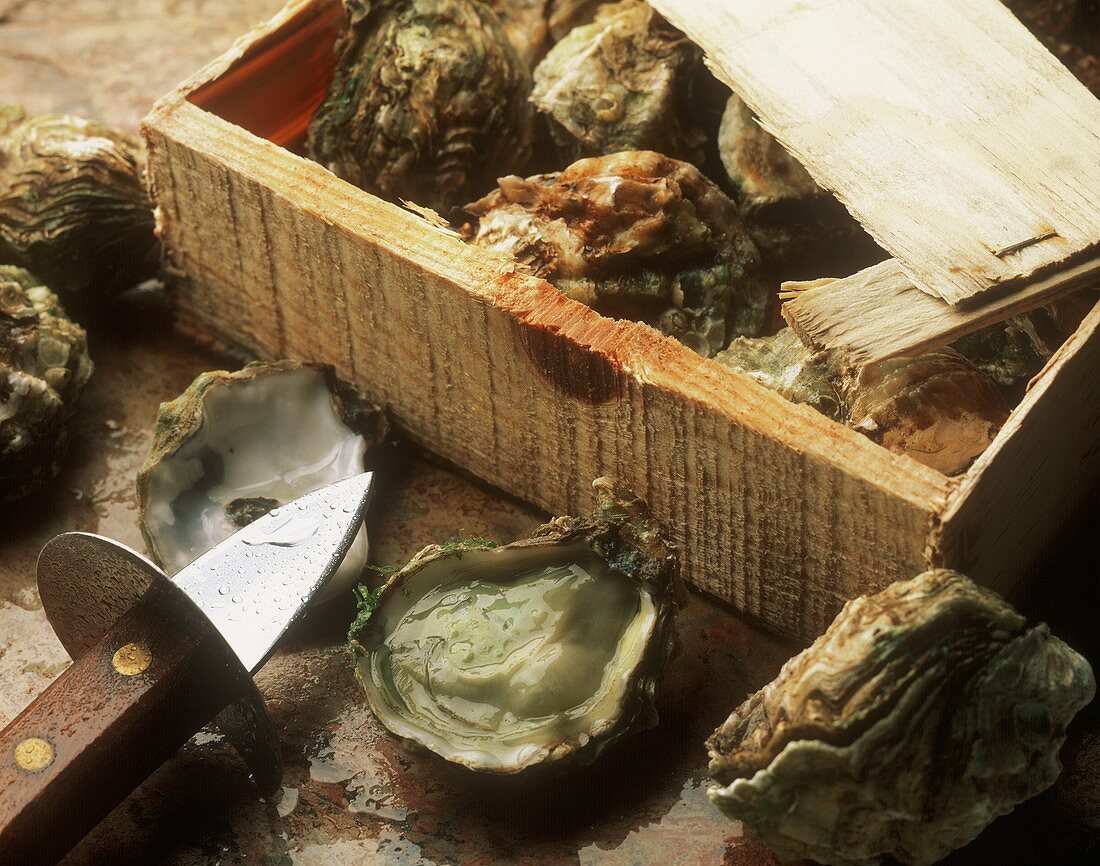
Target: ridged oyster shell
<point x="548" y="649"/>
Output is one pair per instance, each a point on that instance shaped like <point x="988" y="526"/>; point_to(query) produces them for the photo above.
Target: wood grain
<point x="878" y="313"/>
<point x="105" y="732"/>
<point x="961" y="144"/>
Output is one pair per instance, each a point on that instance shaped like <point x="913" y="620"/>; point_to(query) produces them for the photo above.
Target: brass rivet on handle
<point x="33" y="754"/>
<point x="132" y="659"/>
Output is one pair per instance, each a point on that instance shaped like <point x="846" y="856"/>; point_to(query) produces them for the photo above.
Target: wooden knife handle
<point x="98" y="730"/>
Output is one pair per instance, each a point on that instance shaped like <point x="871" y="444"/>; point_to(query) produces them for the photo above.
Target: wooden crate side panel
<point x="1030" y="483"/>
<point x="965" y="147"/>
<point x="776" y="508"/>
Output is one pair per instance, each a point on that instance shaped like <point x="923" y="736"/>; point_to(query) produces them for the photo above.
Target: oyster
<point x="635" y="235"/>
<point x="547" y="649"/>
<point x="429" y="102"/>
<point x="44" y="367"/>
<point x="782" y="363"/>
<point x="937" y="408"/>
<point x="567" y="14"/>
<point x="924" y="712"/>
<point x="74" y="209"/>
<point x="526" y="27"/>
<point x="233" y="447"/>
<point x="799" y="228"/>
<point x="623" y="82"/>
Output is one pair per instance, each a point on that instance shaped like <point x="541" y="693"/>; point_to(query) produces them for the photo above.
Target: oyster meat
<point x="74" y="209"/>
<point x="233" y="447"/>
<point x="429" y="102"/>
<point x="635" y="235"/>
<point x="548" y="649"/>
<point x="923" y="713"/>
<point x="44" y="366"/>
<point x="799" y="228"/>
<point x="623" y="82"/>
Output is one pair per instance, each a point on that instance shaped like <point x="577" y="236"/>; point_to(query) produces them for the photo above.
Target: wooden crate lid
<point x="967" y="150"/>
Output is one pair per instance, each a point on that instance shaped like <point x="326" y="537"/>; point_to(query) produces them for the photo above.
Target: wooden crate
<point x="776" y="508"/>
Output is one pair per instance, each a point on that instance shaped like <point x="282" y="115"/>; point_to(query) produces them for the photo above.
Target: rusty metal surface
<point x="353" y="795"/>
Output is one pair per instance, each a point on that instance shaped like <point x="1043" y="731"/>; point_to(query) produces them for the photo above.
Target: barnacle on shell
<point x="428" y="103"/>
<point x="74" y="209"/>
<point x="546" y="650"/>
<point x="44" y="366"/>
<point x="623" y="82"/>
<point x="635" y="235"/>
<point x="923" y="713"/>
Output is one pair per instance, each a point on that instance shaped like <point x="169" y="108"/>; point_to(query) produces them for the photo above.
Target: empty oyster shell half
<point x="924" y="712"/>
<point x="234" y="446"/>
<point x="550" y="648"/>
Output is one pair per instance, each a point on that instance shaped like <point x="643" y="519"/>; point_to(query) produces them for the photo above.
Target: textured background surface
<point x="351" y="794"/>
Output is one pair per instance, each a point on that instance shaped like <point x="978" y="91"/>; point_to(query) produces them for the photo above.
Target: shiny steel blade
<point x="261" y="579"/>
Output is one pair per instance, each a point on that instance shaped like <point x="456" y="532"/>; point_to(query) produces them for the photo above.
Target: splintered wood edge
<point x="878" y="313"/>
<point x="636" y="349"/>
<point x="934" y="105"/>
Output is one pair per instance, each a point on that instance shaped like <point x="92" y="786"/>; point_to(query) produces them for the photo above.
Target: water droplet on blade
<point x="287" y="533"/>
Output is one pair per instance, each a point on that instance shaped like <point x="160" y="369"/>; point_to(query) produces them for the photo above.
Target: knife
<point x="157" y="658"/>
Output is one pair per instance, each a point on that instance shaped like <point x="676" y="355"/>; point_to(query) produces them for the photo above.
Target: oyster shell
<point x="635" y="235"/>
<point x="429" y="102"/>
<point x="234" y="446"/>
<point x="526" y="27"/>
<point x="799" y="228"/>
<point x="937" y="408"/>
<point x="74" y="209"/>
<point x="782" y="363"/>
<point x="924" y="712"/>
<point x="567" y="14"/>
<point x="44" y="366"/>
<point x="547" y="649"/>
<point x="623" y="82"/>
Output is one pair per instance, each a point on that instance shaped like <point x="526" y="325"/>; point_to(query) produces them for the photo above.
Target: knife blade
<point x="155" y="659"/>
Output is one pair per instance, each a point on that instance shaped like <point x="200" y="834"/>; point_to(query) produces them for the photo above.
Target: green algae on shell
<point x="74" y="209"/>
<point x="236" y="445"/>
<point x="428" y="103"/>
<point x="549" y="649"/>
<point x="44" y="366"/>
<point x="924" y="712"/>
<point x="634" y="235"/>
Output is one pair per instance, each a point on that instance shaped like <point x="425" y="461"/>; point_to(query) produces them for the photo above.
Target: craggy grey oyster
<point x="623" y="82"/>
<point x="798" y="227"/>
<point x="74" y="209"/>
<point x="924" y="712"/>
<point x="44" y="366"/>
<point x="782" y="363"/>
<point x="428" y="104"/>
<point x="548" y="649"/>
<point x="635" y="235"/>
<point x="234" y="446"/>
<point x="937" y="408"/>
<point x="526" y="26"/>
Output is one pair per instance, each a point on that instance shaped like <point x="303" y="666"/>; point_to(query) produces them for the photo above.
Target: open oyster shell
<point x="429" y="102"/>
<point x="548" y="649"/>
<point x="623" y="82"/>
<point x="635" y="235"/>
<point x="234" y="446"/>
<point x="44" y="366"/>
<point x="74" y="209"/>
<point x="924" y="712"/>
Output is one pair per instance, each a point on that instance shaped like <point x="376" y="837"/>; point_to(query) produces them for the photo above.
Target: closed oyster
<point x="548" y="649"/>
<point x="799" y="228"/>
<point x="635" y="235"/>
<point x="567" y="14"/>
<point x="526" y="26"/>
<point x="782" y="363"/>
<point x="937" y="408"/>
<point x="429" y="102"/>
<point x="623" y="82"/>
<point x="74" y="209"/>
<point x="44" y="366"/>
<point x="233" y="447"/>
<point x="923" y="713"/>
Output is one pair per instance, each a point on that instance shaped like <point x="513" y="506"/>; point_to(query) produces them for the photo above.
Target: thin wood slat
<point x="878" y="313"/>
<point x="966" y="149"/>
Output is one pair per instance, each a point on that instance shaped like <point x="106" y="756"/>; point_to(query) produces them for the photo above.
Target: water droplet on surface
<point x="288" y="533"/>
<point x="223" y="589"/>
<point x="237" y="599"/>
